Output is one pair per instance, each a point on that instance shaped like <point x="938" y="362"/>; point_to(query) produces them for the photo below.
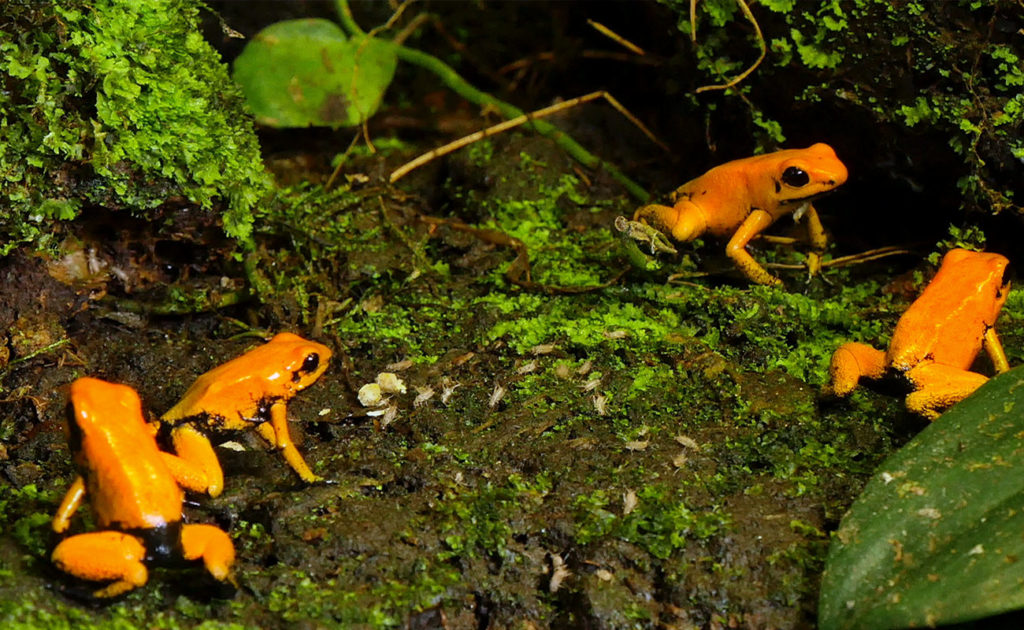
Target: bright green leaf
<point x="306" y="72"/>
<point x="936" y="536"/>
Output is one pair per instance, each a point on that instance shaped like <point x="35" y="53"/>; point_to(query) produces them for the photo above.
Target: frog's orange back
<point x="727" y="193"/>
<point x="947" y="322"/>
<point x="127" y="482"/>
<point x="274" y="371"/>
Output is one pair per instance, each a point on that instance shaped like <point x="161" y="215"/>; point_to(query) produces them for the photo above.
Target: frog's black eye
<point x="795" y="177"/>
<point x="311" y="363"/>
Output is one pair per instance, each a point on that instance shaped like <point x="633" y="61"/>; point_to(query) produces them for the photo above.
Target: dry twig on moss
<point x="447" y="75"/>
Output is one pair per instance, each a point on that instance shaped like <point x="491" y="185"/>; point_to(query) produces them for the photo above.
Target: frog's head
<point x="986" y="271"/>
<point x="803" y="174"/>
<point x="305" y="360"/>
<point x="96" y="406"/>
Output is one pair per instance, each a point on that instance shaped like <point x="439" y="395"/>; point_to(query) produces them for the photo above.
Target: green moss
<point x="538" y="220"/>
<point x="421" y="333"/>
<point x="301" y="597"/>
<point x="807" y="557"/>
<point x="542" y="319"/>
<point x="37" y="609"/>
<point x="26" y="515"/>
<point x="481" y="153"/>
<point x="120" y="104"/>
<point x="483" y="519"/>
<point x="794" y="332"/>
<point x="660" y="523"/>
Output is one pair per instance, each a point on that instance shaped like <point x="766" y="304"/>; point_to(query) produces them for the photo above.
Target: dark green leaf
<point x="306" y="72"/>
<point x="938" y="535"/>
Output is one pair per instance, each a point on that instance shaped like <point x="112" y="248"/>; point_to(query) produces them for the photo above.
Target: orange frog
<point x="938" y="337"/>
<point x="136" y="493"/>
<point x="250" y="391"/>
<point x="740" y="199"/>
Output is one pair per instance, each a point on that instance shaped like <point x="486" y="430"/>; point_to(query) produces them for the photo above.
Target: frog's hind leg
<point x="194" y="447"/>
<point x="850" y="362"/>
<point x="213" y="546"/>
<point x="103" y="556"/>
<point x="938" y="387"/>
<point x="684" y="221"/>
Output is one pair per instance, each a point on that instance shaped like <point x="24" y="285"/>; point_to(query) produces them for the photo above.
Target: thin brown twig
<point x="341" y="160"/>
<point x="449" y="77"/>
<point x="391" y="20"/>
<point x="411" y="27"/>
<point x="842" y="261"/>
<point x="863" y="257"/>
<point x="760" y="41"/>
<point x="615" y="37"/>
<point x="852" y="259"/>
<point x="403" y="170"/>
<point x="693" y="21"/>
<point x="354" y="83"/>
<point x="683" y="276"/>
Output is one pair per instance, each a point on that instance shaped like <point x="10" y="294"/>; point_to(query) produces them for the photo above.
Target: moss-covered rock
<point x="120" y="104"/>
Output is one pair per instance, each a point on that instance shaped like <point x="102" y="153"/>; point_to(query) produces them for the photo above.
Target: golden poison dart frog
<point x="938" y="337"/>
<point x="742" y="198"/>
<point x="250" y="391"/>
<point x="135" y="491"/>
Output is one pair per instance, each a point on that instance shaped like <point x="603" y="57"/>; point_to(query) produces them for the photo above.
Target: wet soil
<point x="636" y="452"/>
<point x="535" y="485"/>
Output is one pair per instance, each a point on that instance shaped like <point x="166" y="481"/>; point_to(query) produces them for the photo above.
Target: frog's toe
<point x="317" y="480"/>
<point x="813" y="263"/>
<point x="313" y="479"/>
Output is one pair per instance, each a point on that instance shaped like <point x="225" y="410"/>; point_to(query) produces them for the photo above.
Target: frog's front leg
<point x="213" y="546"/>
<point x="850" y="362"/>
<point x="104" y="556"/>
<point x="72" y="499"/>
<point x="276" y="434"/>
<point x="994" y="348"/>
<point x="685" y="220"/>
<point x="755" y="223"/>
<point x="194" y="447"/>
<point x="938" y="387"/>
<point x="817" y="239"/>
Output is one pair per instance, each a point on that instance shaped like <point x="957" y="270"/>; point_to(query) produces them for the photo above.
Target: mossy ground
<point x="665" y="443"/>
<point x="602" y="447"/>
